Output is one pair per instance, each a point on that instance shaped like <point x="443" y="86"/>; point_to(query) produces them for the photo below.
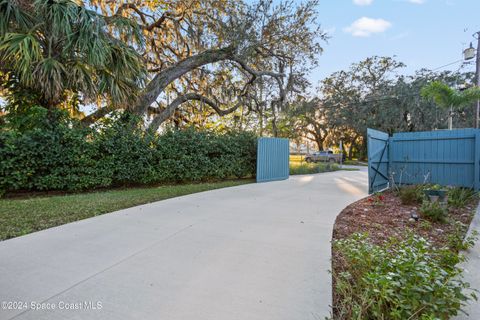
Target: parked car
<point x="324" y="156"/>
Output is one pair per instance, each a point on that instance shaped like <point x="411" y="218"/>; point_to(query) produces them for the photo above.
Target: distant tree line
<point x="373" y="94"/>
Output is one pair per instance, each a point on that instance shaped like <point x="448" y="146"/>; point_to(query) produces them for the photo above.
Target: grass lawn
<point x="297" y="166"/>
<point x="355" y="162"/>
<point x="22" y="216"/>
<point x="296" y="158"/>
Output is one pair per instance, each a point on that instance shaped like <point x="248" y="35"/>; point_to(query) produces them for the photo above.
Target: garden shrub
<point x="459" y="197"/>
<point x="433" y="211"/>
<point x="410" y="195"/>
<point x="400" y="279"/>
<point x="67" y="157"/>
<point x="59" y="158"/>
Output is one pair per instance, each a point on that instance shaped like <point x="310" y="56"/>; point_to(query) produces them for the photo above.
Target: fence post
<point x="476" y="163"/>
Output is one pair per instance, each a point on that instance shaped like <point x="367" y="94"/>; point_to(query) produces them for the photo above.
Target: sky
<point x="420" y="33"/>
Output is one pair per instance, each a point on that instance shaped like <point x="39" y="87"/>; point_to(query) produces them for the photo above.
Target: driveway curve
<point x="258" y="251"/>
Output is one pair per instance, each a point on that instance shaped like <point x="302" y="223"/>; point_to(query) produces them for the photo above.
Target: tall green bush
<point x="67" y="157"/>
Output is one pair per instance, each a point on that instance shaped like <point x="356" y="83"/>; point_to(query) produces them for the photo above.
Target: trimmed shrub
<point x="56" y="159"/>
<point x="67" y="157"/>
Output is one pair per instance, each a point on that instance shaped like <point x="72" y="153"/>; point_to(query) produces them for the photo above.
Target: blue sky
<point x="420" y="33"/>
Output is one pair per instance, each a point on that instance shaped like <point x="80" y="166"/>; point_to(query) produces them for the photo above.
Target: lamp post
<point x="469" y="54"/>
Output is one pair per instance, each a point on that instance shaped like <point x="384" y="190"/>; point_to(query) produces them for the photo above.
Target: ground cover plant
<point x="395" y="256"/>
<point x="401" y="279"/>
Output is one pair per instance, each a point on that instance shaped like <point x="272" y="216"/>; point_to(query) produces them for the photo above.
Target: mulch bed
<point x="390" y="218"/>
<point x="387" y="218"/>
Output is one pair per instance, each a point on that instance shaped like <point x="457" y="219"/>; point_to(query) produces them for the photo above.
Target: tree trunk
<point x="274" y="124"/>
<point x="158" y="84"/>
<point x="350" y="151"/>
<point x="319" y="143"/>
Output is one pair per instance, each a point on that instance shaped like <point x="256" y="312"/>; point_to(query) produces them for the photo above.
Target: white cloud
<point x="363" y="2"/>
<point x="365" y="27"/>
<point x="417" y="1"/>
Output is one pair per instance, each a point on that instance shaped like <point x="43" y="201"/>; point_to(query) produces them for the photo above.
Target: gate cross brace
<point x="379" y="164"/>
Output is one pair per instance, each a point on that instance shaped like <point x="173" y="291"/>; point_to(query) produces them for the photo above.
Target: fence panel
<point x="442" y="157"/>
<point x="272" y="159"/>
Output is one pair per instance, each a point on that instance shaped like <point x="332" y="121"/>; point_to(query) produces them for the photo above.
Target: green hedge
<point x="66" y="157"/>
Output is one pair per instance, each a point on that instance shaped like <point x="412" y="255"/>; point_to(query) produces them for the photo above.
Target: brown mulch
<point x="386" y="218"/>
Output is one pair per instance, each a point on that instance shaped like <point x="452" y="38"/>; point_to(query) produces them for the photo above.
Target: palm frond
<point x="128" y="30"/>
<point x="472" y="94"/>
<point x="13" y="17"/>
<point x="22" y="51"/>
<point x="445" y="96"/>
<point x="50" y="75"/>
<point x="60" y="14"/>
<point x="59" y="49"/>
<point x="438" y="92"/>
<point x="81" y="78"/>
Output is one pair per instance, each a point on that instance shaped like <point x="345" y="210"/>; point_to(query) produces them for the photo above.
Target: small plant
<point x="377" y="199"/>
<point x="410" y="195"/>
<point x="456" y="240"/>
<point x="435" y="187"/>
<point x="398" y="280"/>
<point x="433" y="211"/>
<point x="459" y="197"/>
<point x="436" y="192"/>
<point x="426" y="225"/>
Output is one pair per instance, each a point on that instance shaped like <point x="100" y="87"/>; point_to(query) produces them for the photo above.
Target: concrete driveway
<point x="259" y="251"/>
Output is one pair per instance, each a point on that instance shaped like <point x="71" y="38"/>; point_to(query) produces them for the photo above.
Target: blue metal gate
<point x="378" y="155"/>
<point x="272" y="159"/>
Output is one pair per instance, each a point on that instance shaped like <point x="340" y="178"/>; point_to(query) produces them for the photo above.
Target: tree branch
<point x="163" y="115"/>
<point x="96" y="115"/>
<point x="162" y="79"/>
<point x="256" y="73"/>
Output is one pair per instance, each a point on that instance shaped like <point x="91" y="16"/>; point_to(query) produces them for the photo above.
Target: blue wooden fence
<point x="443" y="157"/>
<point x="272" y="159"/>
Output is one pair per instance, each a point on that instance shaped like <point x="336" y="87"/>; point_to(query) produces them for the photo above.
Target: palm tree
<point x="447" y="97"/>
<point x="56" y="49"/>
